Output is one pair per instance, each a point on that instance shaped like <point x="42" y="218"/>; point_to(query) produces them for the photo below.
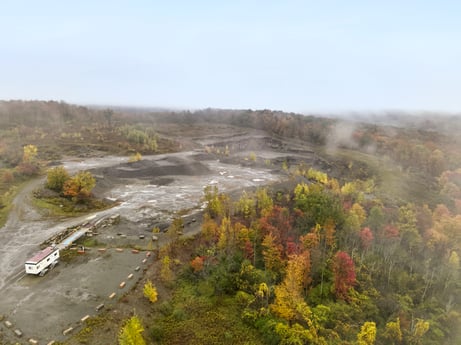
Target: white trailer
<point x="41" y="262"/>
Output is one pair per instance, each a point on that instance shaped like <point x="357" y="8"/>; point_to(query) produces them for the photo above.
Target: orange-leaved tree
<point x="80" y="185"/>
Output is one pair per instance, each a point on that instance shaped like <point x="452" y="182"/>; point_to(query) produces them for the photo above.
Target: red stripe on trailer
<point x="41" y="255"/>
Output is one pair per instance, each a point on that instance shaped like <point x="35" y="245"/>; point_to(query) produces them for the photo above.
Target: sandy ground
<point x="148" y="193"/>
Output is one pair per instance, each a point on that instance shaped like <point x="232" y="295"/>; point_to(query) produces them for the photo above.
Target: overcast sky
<point x="286" y="55"/>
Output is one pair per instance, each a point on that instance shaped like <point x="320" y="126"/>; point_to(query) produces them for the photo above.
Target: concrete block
<point x="112" y="295"/>
<point x="135" y="251"/>
<point x="18" y="333"/>
<point x="102" y="250"/>
<point x="144" y="261"/>
<point x="119" y="250"/>
<point x="33" y="341"/>
<point x="122" y="285"/>
<point x="8" y="324"/>
<point x="52" y="342"/>
<point x="137" y="268"/>
<point x="148" y="254"/>
<point x="99" y="306"/>
<point x="130" y="276"/>
<point x="86" y="317"/>
<point x="67" y="331"/>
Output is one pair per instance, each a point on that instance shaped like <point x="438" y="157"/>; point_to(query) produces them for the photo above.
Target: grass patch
<point x="84" y="335"/>
<point x="91" y="242"/>
<point x="58" y="206"/>
<point x="194" y="319"/>
<point x="66" y="255"/>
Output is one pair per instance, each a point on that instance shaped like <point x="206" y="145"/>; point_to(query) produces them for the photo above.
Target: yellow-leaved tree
<point x="29" y="165"/>
<point x="135" y="158"/>
<point x="30" y="153"/>
<point x="130" y="334"/>
<point x="367" y="334"/>
<point x="392" y="332"/>
<point x="56" y="178"/>
<point x="150" y="292"/>
<point x="289" y="294"/>
<point x="289" y="304"/>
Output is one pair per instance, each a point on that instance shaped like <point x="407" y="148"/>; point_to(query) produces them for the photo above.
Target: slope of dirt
<point x="151" y="169"/>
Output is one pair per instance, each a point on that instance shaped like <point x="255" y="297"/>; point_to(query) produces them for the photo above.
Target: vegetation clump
<point x="65" y="194"/>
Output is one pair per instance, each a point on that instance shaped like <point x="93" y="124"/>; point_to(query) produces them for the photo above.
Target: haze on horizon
<point x="293" y="55"/>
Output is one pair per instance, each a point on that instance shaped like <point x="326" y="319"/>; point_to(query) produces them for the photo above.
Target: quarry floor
<point x="147" y="194"/>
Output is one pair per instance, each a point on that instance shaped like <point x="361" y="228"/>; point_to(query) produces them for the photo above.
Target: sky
<point x="299" y="56"/>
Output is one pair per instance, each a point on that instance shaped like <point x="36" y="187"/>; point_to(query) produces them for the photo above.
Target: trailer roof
<point x="41" y="255"/>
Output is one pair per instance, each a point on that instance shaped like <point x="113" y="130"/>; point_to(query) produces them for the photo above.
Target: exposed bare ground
<point x="149" y="192"/>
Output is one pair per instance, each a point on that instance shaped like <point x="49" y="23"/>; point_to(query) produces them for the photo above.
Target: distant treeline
<point x="45" y="113"/>
<point x="427" y="143"/>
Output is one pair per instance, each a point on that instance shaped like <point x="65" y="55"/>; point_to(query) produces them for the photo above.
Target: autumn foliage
<point x="150" y="292"/>
<point x="344" y="275"/>
<point x="78" y="186"/>
<point x="197" y="264"/>
<point x="131" y="332"/>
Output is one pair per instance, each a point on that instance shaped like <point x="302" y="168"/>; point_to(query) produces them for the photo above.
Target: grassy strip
<point x="7" y="201"/>
<point x="57" y="206"/>
<point x="52" y="208"/>
<point x="84" y="335"/>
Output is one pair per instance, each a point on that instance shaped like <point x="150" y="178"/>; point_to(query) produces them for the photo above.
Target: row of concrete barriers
<point x="18" y="332"/>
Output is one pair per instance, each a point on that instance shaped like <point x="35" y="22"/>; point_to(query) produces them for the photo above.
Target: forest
<point x="327" y="263"/>
<point x="365" y="253"/>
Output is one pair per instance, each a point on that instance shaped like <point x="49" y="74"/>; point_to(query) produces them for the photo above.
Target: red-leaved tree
<point x="344" y="274"/>
<point x="366" y="238"/>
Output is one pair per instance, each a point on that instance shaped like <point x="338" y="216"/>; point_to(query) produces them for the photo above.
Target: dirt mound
<point x="154" y="168"/>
